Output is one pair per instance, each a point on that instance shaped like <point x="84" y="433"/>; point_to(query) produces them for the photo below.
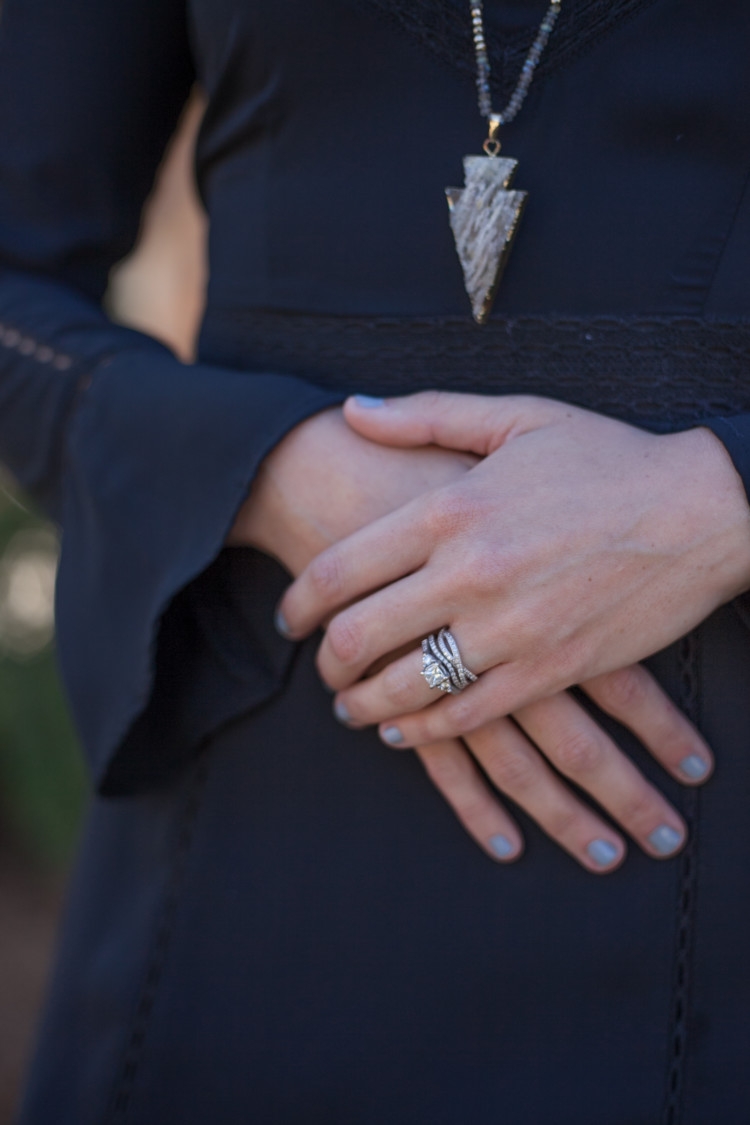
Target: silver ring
<point x="442" y="665"/>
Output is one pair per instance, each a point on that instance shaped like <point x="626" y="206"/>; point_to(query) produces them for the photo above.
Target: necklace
<point x="485" y="213"/>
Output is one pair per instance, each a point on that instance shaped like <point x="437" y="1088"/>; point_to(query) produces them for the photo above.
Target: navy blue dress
<point x="274" y="919"/>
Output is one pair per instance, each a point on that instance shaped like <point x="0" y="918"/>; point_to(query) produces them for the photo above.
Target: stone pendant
<point x="484" y="217"/>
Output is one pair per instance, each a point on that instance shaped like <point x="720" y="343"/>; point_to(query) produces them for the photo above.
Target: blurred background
<point x="43" y="785"/>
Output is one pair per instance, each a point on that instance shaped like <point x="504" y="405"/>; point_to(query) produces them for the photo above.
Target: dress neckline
<point x="443" y="27"/>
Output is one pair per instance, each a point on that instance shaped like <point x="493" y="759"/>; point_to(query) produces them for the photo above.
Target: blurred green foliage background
<point x="42" y="778"/>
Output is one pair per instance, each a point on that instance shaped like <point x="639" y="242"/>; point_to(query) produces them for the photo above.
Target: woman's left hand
<point x="577" y="546"/>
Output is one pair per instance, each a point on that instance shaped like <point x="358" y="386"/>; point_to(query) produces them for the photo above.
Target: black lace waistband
<point x="657" y="372"/>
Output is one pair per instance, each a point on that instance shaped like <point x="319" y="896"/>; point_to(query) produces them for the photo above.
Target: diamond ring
<point x="442" y="665"/>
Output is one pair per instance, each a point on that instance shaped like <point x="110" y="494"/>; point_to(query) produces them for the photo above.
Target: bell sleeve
<point x="141" y="459"/>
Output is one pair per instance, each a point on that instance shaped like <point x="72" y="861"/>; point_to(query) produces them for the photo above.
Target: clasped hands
<point x="561" y="547"/>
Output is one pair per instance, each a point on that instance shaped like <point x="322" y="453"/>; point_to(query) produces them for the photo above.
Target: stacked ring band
<point x="442" y="665"/>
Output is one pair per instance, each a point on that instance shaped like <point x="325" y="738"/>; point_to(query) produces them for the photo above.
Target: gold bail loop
<point x="492" y="145"/>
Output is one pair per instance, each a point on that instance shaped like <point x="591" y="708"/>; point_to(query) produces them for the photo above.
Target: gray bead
<point x="527" y="70"/>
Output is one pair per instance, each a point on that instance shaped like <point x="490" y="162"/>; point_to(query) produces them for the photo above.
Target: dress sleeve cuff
<point x="734" y="433"/>
<point x="158" y="459"/>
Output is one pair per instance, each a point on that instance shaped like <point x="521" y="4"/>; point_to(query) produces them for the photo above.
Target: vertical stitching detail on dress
<point x="689" y="694"/>
<point x="725" y="241"/>
<point x="160" y="946"/>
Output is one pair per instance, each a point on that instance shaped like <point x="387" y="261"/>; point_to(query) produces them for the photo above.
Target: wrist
<point x="721" y="504"/>
<point x="268" y="520"/>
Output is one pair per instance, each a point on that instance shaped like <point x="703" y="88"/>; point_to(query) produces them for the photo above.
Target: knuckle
<point x="577" y="753"/>
<point x="448" y="511"/>
<point x="624" y="690"/>
<point x="471" y="806"/>
<point x="398" y="687"/>
<point x="562" y="823"/>
<point x="571" y="659"/>
<point x="447" y="771"/>
<point x="432" y="399"/>
<point x="326" y="575"/>
<point x="489" y="569"/>
<point x="639" y="812"/>
<point x="462" y="714"/>
<point x="512" y="772"/>
<point x="331" y="677"/>
<point x="528" y="630"/>
<point x="345" y="639"/>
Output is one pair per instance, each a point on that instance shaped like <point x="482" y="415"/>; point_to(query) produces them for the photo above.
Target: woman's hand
<point x="516" y="756"/>
<point x="578" y="546"/>
<point x="709" y="539"/>
<point x="323" y="481"/>
<point x="304" y="499"/>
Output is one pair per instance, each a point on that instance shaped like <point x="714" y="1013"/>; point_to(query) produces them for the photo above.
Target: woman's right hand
<point x="321" y="483"/>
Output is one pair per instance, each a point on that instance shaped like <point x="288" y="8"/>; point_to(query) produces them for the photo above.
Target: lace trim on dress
<point x="659" y="372"/>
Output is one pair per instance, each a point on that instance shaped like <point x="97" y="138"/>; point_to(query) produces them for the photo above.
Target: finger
<point x="578" y="747"/>
<point x="404" y="685"/>
<point x="380" y="553"/>
<point x="519" y="771"/>
<point x="500" y="691"/>
<point x="454" y="774"/>
<point x="474" y="423"/>
<point x="398" y="688"/>
<point x="378" y="625"/>
<point x="635" y="699"/>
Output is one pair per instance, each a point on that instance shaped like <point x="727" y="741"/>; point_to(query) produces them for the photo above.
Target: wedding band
<point x="442" y="665"/>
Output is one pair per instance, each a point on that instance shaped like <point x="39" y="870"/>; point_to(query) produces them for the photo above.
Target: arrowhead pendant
<point x="484" y="217"/>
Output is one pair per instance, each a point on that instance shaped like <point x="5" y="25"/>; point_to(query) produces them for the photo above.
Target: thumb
<point x="471" y="423"/>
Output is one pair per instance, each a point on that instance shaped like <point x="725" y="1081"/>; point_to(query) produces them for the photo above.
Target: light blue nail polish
<point x="665" y="839"/>
<point x="341" y="712"/>
<point x="602" y="852"/>
<point x="693" y="767"/>
<point x="281" y="625"/>
<point x="501" y="846"/>
<point x="367" y="402"/>
<point x="392" y="735"/>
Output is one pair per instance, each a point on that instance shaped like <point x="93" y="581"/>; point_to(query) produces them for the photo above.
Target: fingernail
<point x="392" y="735"/>
<point x="665" y="839"/>
<point x="602" y="852"/>
<point x="367" y="402"/>
<point x="341" y="713"/>
<point x="501" y="846"/>
<point x="281" y="625"/>
<point x="693" y="767"/>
